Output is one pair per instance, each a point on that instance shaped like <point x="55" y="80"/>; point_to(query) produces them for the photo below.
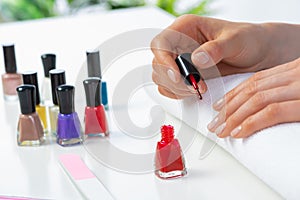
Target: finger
<point x="271" y="115"/>
<point x="165" y="71"/>
<point x="239" y="95"/>
<point x="165" y="59"/>
<point x="212" y="52"/>
<point x="167" y="67"/>
<point x="271" y="78"/>
<point x="163" y="77"/>
<point x="180" y="88"/>
<point x="168" y="44"/>
<point x="202" y="86"/>
<point x="177" y="39"/>
<point x="276" y="70"/>
<point x="159" y="68"/>
<point x="166" y="93"/>
<point x="257" y="103"/>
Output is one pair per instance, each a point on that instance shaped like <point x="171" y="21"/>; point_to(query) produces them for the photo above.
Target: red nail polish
<point x="95" y="118"/>
<point x="169" y="161"/>
<point x="188" y="71"/>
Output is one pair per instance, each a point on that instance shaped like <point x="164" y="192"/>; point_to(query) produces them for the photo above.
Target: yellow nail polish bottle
<point x="41" y="111"/>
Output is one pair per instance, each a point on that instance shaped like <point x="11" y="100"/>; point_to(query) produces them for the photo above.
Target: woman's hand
<point x="229" y="44"/>
<point x="233" y="47"/>
<point x="267" y="98"/>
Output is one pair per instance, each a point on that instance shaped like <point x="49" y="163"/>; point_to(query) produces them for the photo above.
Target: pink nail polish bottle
<point x="11" y="79"/>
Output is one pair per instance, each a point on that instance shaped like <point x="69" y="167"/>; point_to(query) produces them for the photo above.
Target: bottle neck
<point x="167" y="133"/>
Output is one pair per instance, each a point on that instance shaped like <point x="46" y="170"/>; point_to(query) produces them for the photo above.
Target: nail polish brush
<point x="188" y="71"/>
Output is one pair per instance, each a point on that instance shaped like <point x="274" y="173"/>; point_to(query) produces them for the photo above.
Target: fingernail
<point x="213" y="123"/>
<point x="201" y="57"/>
<point x="171" y="75"/>
<point x="191" y="89"/>
<point x="202" y="87"/>
<point x="236" y="131"/>
<point x="220" y="129"/>
<point x="219" y="104"/>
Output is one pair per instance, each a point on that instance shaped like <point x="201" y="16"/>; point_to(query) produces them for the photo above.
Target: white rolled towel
<point x="272" y="154"/>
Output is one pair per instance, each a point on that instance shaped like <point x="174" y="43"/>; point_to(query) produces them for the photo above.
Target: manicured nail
<point x="220" y="129"/>
<point x="236" y="131"/>
<point x="201" y="58"/>
<point x="202" y="87"/>
<point x="171" y="75"/>
<point x="213" y="123"/>
<point x="191" y="89"/>
<point x="219" y="104"/>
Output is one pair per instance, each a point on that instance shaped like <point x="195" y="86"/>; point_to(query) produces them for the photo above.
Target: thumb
<point x="211" y="53"/>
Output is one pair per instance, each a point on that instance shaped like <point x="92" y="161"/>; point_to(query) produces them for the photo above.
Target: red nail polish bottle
<point x="169" y="161"/>
<point x="95" y="118"/>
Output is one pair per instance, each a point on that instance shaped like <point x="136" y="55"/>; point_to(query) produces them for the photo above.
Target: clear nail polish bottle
<point x="49" y="63"/>
<point x="30" y="130"/>
<point x="68" y="124"/>
<point x="94" y="70"/>
<point x="169" y="160"/>
<point x="95" y="117"/>
<point x="57" y="77"/>
<point x="10" y="79"/>
<point x="30" y="77"/>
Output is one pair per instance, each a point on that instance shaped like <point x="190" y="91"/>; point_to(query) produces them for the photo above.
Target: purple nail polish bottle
<point x="68" y="124"/>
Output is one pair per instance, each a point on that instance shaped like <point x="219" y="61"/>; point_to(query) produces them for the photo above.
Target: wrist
<point x="283" y="42"/>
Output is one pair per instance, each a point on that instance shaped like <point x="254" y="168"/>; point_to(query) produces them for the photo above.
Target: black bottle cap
<point x="26" y="95"/>
<point x="65" y="95"/>
<point x="9" y="58"/>
<point x="93" y="64"/>
<point x="49" y="62"/>
<point x="186" y="67"/>
<point x="57" y="77"/>
<point x="30" y="78"/>
<point x="92" y="87"/>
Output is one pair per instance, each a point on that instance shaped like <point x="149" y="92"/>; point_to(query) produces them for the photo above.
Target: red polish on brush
<point x="195" y="86"/>
<point x="169" y="161"/>
<point x="95" y="117"/>
<point x="188" y="71"/>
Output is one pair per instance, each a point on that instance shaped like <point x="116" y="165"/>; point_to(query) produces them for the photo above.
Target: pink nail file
<point x="87" y="183"/>
<point x="15" y="198"/>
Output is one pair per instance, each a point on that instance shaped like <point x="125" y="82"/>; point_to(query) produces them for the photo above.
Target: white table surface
<point x="35" y="172"/>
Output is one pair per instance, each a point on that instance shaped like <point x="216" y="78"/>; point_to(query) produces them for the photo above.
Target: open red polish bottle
<point x="95" y="118"/>
<point x="169" y="160"/>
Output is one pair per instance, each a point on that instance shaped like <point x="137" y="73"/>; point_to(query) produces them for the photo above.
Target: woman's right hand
<point x="233" y="47"/>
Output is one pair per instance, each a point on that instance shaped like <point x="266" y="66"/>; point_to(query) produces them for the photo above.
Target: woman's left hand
<point x="267" y="98"/>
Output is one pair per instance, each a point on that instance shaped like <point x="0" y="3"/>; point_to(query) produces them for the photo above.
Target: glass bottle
<point x="30" y="77"/>
<point x="57" y="77"/>
<point x="10" y="79"/>
<point x="94" y="70"/>
<point x="169" y="160"/>
<point x="95" y="117"/>
<point x="68" y="124"/>
<point x="49" y="63"/>
<point x="30" y="129"/>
